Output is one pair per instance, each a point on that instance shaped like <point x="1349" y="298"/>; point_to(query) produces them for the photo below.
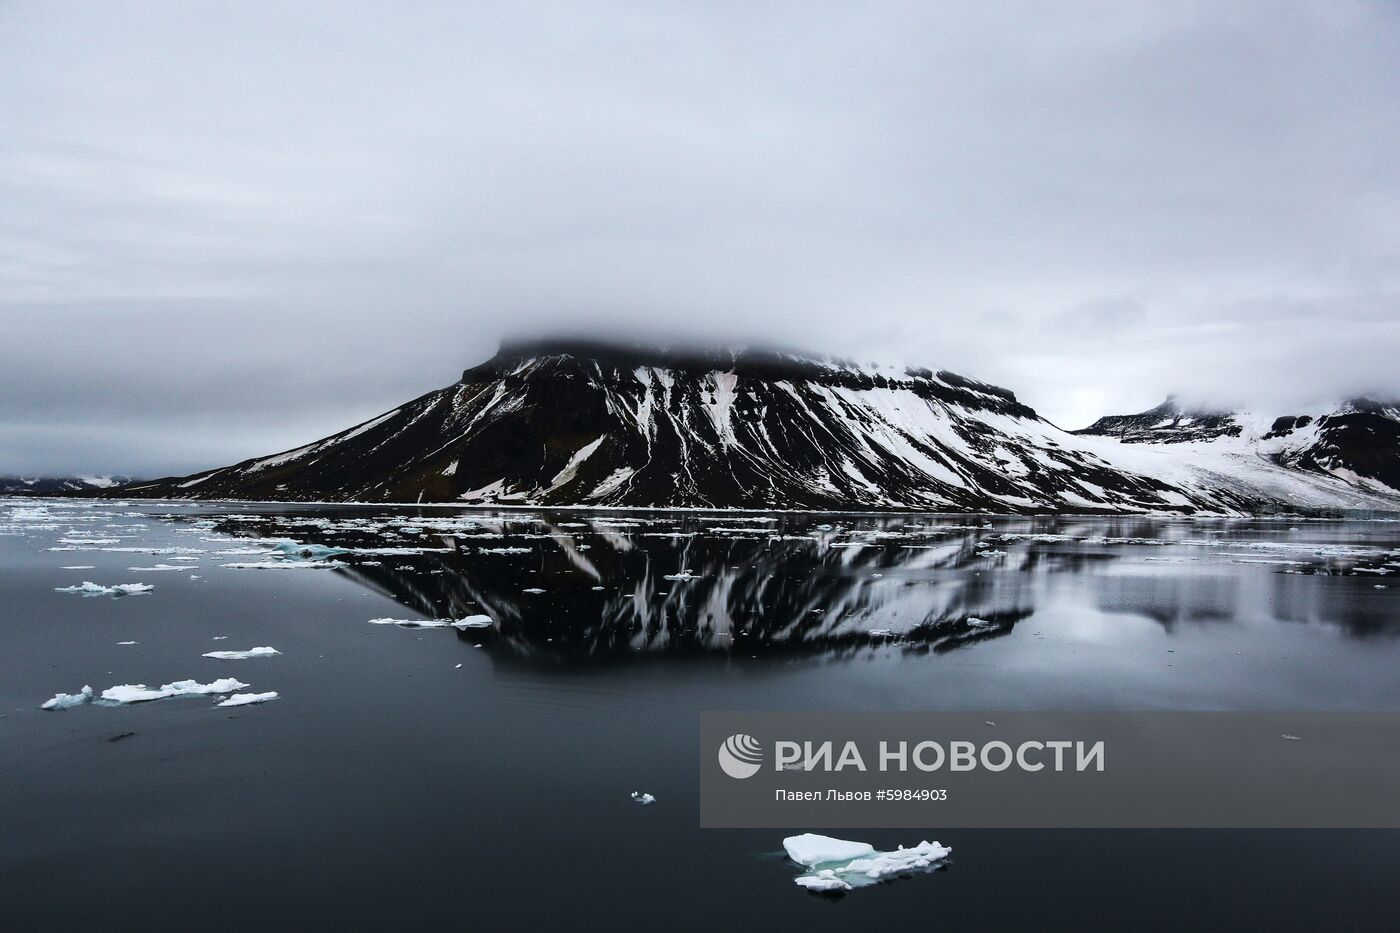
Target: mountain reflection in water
<point x="597" y="587"/>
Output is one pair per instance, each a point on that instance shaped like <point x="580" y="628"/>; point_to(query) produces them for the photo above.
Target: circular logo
<point x="741" y="756"/>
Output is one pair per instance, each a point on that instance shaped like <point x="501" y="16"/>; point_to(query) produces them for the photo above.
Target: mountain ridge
<point x="606" y="423"/>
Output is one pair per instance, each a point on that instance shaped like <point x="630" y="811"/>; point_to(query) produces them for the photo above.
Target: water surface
<point x="424" y="776"/>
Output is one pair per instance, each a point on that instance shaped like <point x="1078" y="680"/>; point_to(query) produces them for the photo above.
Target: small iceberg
<point x="140" y="693"/>
<point x="643" y="798"/>
<point x="247" y="699"/>
<point x="413" y="623"/>
<point x="88" y="588"/>
<point x="263" y="652"/>
<point x="284" y="564"/>
<point x="69" y="700"/>
<point x="316" y="552"/>
<point x="838" y="865"/>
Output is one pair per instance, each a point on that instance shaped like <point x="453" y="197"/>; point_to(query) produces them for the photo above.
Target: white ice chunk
<point x="263" y="652"/>
<point x="140" y="693"/>
<point x="244" y="699"/>
<point x="88" y="588"/>
<point x="413" y="623"/>
<point x="811" y="849"/>
<point x="824" y="880"/>
<point x="67" y="700"/>
<point x="841" y="864"/>
<point x="284" y="564"/>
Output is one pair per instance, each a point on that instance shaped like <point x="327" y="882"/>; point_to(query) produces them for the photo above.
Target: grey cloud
<point x="227" y="231"/>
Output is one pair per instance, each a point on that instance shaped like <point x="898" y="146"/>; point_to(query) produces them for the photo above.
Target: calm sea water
<point x="421" y="777"/>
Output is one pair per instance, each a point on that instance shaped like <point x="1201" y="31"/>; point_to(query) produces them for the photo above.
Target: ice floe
<point x="68" y="700"/>
<point x="140" y="693"/>
<point x="413" y="623"/>
<point x="284" y="564"/>
<point x="246" y="699"/>
<point x="88" y="588"/>
<point x="263" y="652"/>
<point x="841" y="864"/>
<point x="306" y="551"/>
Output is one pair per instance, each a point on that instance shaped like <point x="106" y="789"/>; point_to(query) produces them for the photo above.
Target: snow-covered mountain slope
<point x="572" y="423"/>
<point x="1291" y="456"/>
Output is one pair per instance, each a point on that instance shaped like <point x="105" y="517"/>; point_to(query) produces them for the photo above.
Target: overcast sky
<point x="226" y="229"/>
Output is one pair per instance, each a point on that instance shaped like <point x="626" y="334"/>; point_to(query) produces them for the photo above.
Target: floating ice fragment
<point x="284" y="564"/>
<point x="68" y="700"/>
<point x="140" y="693"/>
<point x="413" y="623"/>
<point x="88" y="588"/>
<point x="811" y="849"/>
<point x="841" y="865"/>
<point x="245" y="699"/>
<point x="824" y="880"/>
<point x="307" y="551"/>
<point x="643" y="798"/>
<point x="263" y="652"/>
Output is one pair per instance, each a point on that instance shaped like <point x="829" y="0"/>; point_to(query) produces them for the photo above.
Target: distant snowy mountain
<point x="1356" y="442"/>
<point x="57" y="485"/>
<point x="580" y="423"/>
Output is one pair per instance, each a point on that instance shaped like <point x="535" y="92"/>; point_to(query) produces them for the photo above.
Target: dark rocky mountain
<point x="1168" y="423"/>
<point x="607" y="424"/>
